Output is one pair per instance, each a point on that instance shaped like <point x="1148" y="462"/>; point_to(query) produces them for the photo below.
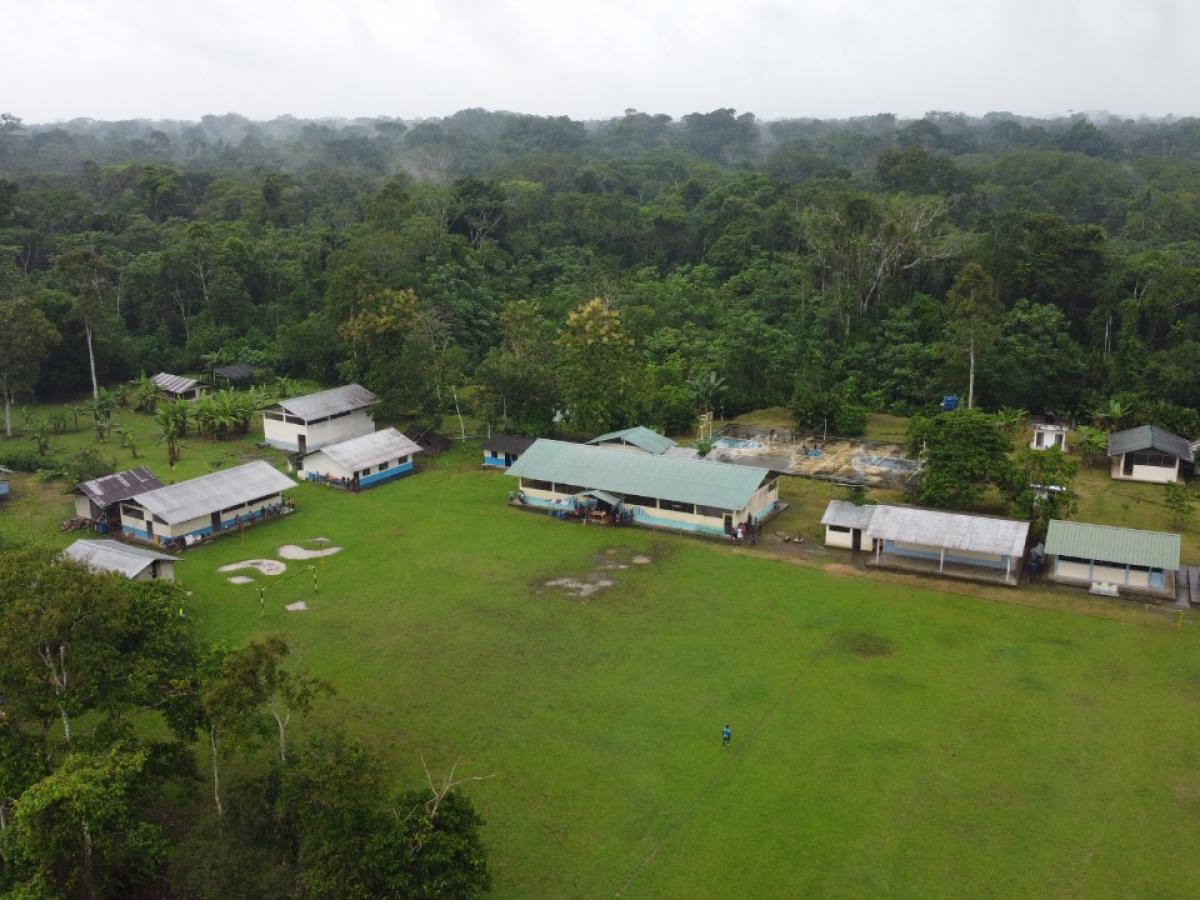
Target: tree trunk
<point x="462" y="429"/>
<point x="971" y="379"/>
<point x="87" y="330"/>
<point x="8" y="414"/>
<point x="282" y="722"/>
<point x="66" y="720"/>
<point x="212" y="743"/>
<point x="88" y="872"/>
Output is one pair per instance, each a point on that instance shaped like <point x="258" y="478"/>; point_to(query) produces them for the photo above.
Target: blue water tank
<point x="950" y="403"/>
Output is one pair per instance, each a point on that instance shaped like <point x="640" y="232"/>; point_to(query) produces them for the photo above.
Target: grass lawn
<point x="886" y="738"/>
<point x="889" y="738"/>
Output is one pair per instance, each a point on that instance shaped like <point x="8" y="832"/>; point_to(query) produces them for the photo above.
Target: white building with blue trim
<point x="202" y="507"/>
<point x="657" y="491"/>
<point x="502" y="450"/>
<point x="362" y="461"/>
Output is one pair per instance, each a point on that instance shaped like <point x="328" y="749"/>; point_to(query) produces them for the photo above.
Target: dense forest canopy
<point x="736" y="264"/>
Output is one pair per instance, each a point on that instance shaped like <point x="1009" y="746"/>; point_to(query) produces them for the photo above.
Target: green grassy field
<point x="888" y="738"/>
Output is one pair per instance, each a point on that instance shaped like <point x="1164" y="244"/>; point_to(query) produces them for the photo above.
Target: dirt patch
<point x="294" y="551"/>
<point x="863" y="643"/>
<point x="581" y="588"/>
<point x="298" y="606"/>
<point x="240" y="579"/>
<point x="265" y="566"/>
<point x="641" y="560"/>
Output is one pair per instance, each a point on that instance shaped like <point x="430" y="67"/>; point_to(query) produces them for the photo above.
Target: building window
<point x="132" y="512"/>
<point x="568" y="489"/>
<point x="676" y="506"/>
<point x="711" y="512"/>
<point x="535" y="484"/>
<point x="638" y="500"/>
<point x="274" y="416"/>
<point x="382" y="467"/>
<point x="1158" y="460"/>
<point x="842" y="529"/>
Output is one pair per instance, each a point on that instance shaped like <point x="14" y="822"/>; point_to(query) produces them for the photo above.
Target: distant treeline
<point x="862" y="262"/>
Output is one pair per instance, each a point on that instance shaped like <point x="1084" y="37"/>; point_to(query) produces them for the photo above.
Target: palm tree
<point x="169" y="433"/>
<point x="285" y="387"/>
<point x="1113" y="415"/>
<point x="145" y="394"/>
<point x="1011" y="419"/>
<point x="707" y="389"/>
<point x="40" y="429"/>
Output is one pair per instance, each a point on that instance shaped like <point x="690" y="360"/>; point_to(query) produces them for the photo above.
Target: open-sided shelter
<point x="930" y="540"/>
<point x="204" y="506"/>
<point x="502" y="450"/>
<point x="178" y="387"/>
<point x="304" y="424"/>
<point x="136" y="563"/>
<point x="638" y="439"/>
<point x="362" y="461"/>
<point x="682" y="494"/>
<point x="1104" y="556"/>
<point x="1149" y="453"/>
<point x="98" y="500"/>
<point x="236" y="373"/>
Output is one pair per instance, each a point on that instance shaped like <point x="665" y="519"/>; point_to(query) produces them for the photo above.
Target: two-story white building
<point x="304" y="424"/>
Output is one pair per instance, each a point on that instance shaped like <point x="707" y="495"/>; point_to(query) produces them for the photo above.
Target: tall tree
<point x="974" y="314"/>
<point x="597" y="368"/>
<point x="26" y="339"/>
<point x="89" y="277"/>
<point x="963" y="455"/>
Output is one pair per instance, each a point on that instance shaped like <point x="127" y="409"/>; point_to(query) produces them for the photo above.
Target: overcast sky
<point x="116" y="59"/>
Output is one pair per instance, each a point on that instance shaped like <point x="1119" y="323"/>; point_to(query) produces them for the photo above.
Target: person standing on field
<point x="726" y="736"/>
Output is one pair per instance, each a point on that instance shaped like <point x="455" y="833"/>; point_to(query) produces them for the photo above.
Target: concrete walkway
<point x="1187" y="587"/>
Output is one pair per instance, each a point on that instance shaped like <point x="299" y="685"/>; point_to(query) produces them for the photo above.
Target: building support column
<point x="1008" y="568"/>
<point x="942" y="560"/>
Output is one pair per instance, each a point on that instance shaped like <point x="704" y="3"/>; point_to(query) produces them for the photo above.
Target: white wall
<point x="843" y="539"/>
<point x="285" y="435"/>
<point x="1152" y="474"/>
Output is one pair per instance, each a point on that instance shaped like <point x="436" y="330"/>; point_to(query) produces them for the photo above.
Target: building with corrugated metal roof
<point x="178" y="387"/>
<point x="931" y="540"/>
<point x="502" y="450"/>
<point x="136" y="563"/>
<point x="638" y="439"/>
<point x="98" y="499"/>
<point x="202" y="507"/>
<point x="304" y="424"/>
<point x="362" y="461"/>
<point x="657" y="491"/>
<point x="1149" y="453"/>
<point x="1106" y="557"/>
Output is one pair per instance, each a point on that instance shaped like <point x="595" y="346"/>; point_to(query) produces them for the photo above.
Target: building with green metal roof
<point x="638" y="439"/>
<point x="658" y="491"/>
<point x="1105" y="556"/>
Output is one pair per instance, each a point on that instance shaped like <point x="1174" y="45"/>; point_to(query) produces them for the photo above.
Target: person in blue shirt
<point x="726" y="736"/>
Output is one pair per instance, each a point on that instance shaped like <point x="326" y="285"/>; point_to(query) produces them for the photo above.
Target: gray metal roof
<point x="113" y="556"/>
<point x="237" y="371"/>
<point x="683" y="480"/>
<point x="954" y="531"/>
<point x="640" y="437"/>
<point x="370" y="449"/>
<point x="1107" y="543"/>
<point x="216" y="491"/>
<point x="324" y="404"/>
<point x="1149" y="437"/>
<point x="110" y="489"/>
<point x="845" y="514"/>
<point x="174" y="384"/>
<point x="508" y="443"/>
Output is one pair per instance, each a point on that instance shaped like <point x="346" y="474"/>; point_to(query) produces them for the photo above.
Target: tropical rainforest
<point x="638" y="269"/>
